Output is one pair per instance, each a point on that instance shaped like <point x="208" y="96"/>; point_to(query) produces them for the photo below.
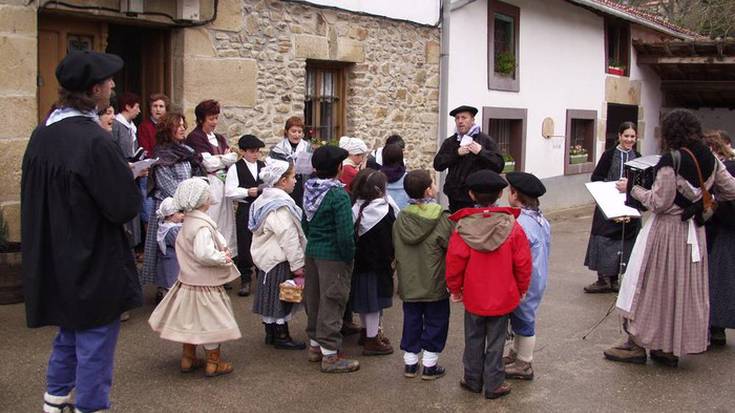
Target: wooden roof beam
<point x="676" y="60"/>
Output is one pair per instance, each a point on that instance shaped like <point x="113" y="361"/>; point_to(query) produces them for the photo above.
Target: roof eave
<point x="634" y="19"/>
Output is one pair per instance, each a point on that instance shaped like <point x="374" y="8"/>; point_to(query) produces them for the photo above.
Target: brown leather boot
<point x="215" y="366"/>
<point x="189" y="360"/>
<point x="374" y="346"/>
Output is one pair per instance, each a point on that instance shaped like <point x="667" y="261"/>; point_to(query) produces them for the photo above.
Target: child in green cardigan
<point x="330" y="250"/>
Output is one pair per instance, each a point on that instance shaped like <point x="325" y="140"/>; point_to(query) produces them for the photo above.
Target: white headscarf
<point x="168" y="207"/>
<point x="354" y="146"/>
<point x="273" y="171"/>
<point x="191" y="194"/>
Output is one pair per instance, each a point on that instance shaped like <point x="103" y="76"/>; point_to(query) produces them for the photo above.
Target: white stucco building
<point x="552" y="75"/>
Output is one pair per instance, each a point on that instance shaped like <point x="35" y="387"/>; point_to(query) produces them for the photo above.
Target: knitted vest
<point x="193" y="272"/>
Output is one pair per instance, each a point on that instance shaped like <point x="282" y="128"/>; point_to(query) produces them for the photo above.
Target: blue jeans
<point x="83" y="359"/>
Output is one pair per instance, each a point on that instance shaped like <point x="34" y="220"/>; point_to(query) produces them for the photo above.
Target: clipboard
<point x="610" y="200"/>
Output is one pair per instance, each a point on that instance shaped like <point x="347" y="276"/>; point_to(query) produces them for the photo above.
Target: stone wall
<point x="392" y="71"/>
<point x="18" y="46"/>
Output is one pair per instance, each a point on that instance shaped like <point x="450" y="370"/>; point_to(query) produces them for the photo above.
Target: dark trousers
<point x="425" y="326"/>
<point x="83" y="360"/>
<point x="326" y="291"/>
<point x="244" y="240"/>
<point x="484" y="338"/>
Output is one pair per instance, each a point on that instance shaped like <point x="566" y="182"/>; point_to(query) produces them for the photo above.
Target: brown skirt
<point x="195" y="315"/>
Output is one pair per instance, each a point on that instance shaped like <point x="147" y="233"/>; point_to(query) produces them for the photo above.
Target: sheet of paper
<point x="610" y="200"/>
<point x="139" y="166"/>
<point x="302" y="163"/>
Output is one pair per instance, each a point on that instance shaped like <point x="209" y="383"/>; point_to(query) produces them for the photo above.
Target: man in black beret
<point x="244" y="185"/>
<point x="77" y="191"/>
<point x="466" y="151"/>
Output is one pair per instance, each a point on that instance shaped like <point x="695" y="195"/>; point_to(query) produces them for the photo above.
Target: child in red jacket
<point x="489" y="269"/>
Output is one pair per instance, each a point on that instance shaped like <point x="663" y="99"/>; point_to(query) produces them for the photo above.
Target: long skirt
<point x="670" y="305"/>
<point x="371" y="292"/>
<point x="722" y="279"/>
<point x="150" y="250"/>
<point x="195" y="315"/>
<point x="603" y="254"/>
<point x="266" y="302"/>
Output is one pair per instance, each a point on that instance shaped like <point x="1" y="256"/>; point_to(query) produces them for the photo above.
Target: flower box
<point x="575" y="159"/>
<point x="613" y="70"/>
<point x="510" y="166"/>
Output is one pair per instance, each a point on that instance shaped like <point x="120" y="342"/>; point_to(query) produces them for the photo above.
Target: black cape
<point x="77" y="191"/>
<point x="460" y="167"/>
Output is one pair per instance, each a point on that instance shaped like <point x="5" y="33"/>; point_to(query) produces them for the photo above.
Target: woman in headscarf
<point x="664" y="297"/>
<point x="176" y="163"/>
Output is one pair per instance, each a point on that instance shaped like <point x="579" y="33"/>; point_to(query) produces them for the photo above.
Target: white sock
<point x="410" y="358"/>
<point x="313" y="343"/>
<point x="55" y="400"/>
<point x="371" y="322"/>
<point x="268" y="320"/>
<point x="525" y="348"/>
<point x="280" y="321"/>
<point x="327" y="352"/>
<point x="211" y="347"/>
<point x="430" y="358"/>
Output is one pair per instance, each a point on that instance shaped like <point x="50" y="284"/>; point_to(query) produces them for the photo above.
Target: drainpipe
<point x="443" y="88"/>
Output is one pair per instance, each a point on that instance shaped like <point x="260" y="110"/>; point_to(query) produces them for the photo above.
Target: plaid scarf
<point x="315" y="190"/>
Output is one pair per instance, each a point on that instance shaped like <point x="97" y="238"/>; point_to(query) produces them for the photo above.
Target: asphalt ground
<point x="571" y="373"/>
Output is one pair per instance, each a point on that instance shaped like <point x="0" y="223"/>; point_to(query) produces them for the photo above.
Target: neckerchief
<point x="270" y="200"/>
<point x="315" y="190"/>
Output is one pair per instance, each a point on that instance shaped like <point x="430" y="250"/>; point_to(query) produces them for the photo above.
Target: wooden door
<point x="58" y="35"/>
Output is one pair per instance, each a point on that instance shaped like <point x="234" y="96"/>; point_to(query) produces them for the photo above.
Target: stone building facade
<point x="251" y="55"/>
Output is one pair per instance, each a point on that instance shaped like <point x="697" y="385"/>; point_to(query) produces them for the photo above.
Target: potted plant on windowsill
<point x="510" y="164"/>
<point x="11" y="281"/>
<point x="505" y="64"/>
<point x="615" y="68"/>
<point x="577" y="154"/>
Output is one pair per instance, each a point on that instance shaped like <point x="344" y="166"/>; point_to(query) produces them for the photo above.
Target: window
<point x="324" y="102"/>
<point x="507" y="126"/>
<point x="503" y="46"/>
<point x="617" y="47"/>
<point x="579" y="153"/>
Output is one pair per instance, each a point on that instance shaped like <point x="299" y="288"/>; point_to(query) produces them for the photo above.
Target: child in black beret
<point x="525" y="189"/>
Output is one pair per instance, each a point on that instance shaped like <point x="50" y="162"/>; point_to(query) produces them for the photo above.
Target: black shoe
<point x="244" y="289"/>
<point x="717" y="336"/>
<point x="160" y="294"/>
<point x="599" y="287"/>
<point x="667" y="359"/>
<point x="433" y="372"/>
<point x="269" y="332"/>
<point x="465" y="386"/>
<point x="410" y="370"/>
<point x="349" y="328"/>
<point x="282" y="339"/>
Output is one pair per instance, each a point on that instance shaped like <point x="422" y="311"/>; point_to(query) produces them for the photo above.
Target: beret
<point x="79" y="71"/>
<point x="463" y="108"/>
<point x="526" y="183"/>
<point x="328" y="158"/>
<point x="485" y="181"/>
<point x="250" y="142"/>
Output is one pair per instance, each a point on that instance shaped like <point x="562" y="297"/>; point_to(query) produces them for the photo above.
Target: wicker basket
<point x="290" y="293"/>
